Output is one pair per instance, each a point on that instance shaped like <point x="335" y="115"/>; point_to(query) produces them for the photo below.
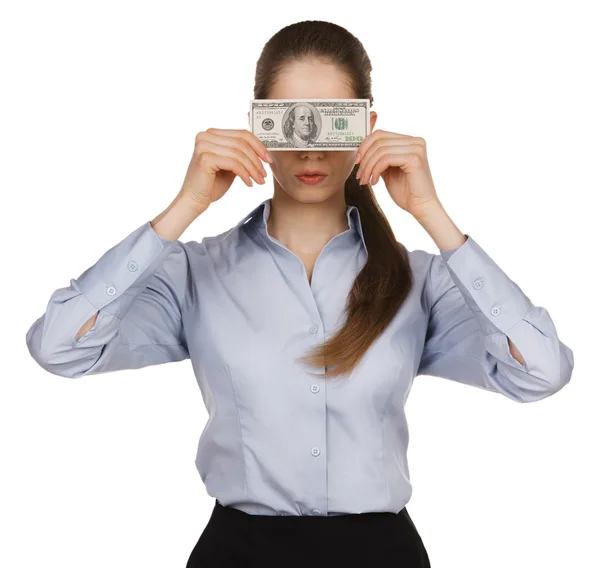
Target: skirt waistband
<point x="233" y="537"/>
<point x="374" y="517"/>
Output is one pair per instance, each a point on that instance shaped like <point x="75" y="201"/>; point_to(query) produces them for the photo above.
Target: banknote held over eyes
<point x="315" y="124"/>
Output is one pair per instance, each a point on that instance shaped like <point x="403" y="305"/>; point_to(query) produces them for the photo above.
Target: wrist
<point x="176" y="218"/>
<point x="429" y="212"/>
<point x="187" y="206"/>
<point x="441" y="228"/>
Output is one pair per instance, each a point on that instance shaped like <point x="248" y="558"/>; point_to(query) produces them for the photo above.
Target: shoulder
<point x="423" y="262"/>
<point x="218" y="250"/>
<point x="430" y="273"/>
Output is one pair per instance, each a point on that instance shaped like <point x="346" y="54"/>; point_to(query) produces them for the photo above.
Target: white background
<point x="100" y="106"/>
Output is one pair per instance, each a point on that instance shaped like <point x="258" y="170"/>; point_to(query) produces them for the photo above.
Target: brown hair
<point x="386" y="279"/>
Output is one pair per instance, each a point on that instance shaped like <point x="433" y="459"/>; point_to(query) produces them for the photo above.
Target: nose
<point x="311" y="154"/>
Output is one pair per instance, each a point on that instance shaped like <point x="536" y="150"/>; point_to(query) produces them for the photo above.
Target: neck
<point x="306" y="228"/>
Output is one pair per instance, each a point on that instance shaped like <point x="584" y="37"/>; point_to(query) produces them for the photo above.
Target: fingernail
<point x="358" y="157"/>
<point x="268" y="157"/>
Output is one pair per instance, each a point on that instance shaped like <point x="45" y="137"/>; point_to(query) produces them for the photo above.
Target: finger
<point x="257" y="144"/>
<point x="375" y="147"/>
<point x="393" y="141"/>
<point x="234" y="148"/>
<point x="366" y="166"/>
<point x="366" y="170"/>
<point x="240" y="143"/>
<point x="380" y="166"/>
<point x="251" y="138"/>
<point x="375" y="136"/>
<point x="229" y="163"/>
<point x="235" y="166"/>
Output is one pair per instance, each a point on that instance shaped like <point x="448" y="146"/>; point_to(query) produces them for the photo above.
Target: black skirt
<point x="238" y="539"/>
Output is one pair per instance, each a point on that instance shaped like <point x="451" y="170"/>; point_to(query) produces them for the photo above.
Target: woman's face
<point x="312" y="80"/>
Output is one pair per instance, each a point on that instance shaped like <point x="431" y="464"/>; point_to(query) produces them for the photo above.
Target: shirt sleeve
<point x="137" y="287"/>
<point x="474" y="308"/>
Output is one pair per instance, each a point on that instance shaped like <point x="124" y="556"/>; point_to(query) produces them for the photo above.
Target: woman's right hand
<point x="219" y="155"/>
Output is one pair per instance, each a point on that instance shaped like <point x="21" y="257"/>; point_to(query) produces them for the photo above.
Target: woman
<point x="306" y="324"/>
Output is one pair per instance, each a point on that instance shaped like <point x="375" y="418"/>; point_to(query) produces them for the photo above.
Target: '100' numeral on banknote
<point x="317" y="124"/>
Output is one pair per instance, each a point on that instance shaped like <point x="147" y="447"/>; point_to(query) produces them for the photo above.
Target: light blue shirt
<point x="279" y="440"/>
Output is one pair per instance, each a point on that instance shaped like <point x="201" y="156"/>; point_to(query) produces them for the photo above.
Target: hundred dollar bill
<point x="318" y="124"/>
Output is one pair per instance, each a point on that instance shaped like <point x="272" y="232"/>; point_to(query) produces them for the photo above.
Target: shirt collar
<point x="261" y="213"/>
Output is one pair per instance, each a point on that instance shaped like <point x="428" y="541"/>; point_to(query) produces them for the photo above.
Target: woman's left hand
<point x="401" y="161"/>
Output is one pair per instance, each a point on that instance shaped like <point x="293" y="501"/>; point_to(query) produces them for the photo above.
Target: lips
<point x="311" y="179"/>
<point x="307" y="173"/>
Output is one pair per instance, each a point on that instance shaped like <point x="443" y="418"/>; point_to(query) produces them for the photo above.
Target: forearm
<point x="175" y="219"/>
<point x="441" y="228"/>
<point x="448" y="236"/>
<point x="169" y="224"/>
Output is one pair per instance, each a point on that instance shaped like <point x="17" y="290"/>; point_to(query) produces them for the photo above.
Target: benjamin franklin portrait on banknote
<point x="301" y="125"/>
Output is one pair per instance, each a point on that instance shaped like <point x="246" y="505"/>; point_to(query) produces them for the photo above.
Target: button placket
<point x="315" y="388"/>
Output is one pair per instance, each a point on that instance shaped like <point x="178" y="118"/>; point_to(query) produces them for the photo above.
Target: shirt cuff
<point x="124" y="271"/>
<point x="446" y="254"/>
<point x="495" y="300"/>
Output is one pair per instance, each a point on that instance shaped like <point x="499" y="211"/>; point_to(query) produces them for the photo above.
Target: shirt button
<point x="315" y="388"/>
<point x="495" y="311"/>
<point x="314" y="328"/>
<point x="478" y="284"/>
<point x="315" y="451"/>
<point x="111" y="290"/>
<point x="316" y="512"/>
<point x="132" y="265"/>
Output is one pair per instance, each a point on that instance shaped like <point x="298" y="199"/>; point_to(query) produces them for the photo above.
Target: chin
<point x="310" y="193"/>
